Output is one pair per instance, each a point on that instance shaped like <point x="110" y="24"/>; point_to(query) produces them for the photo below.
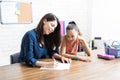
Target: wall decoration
<point x="16" y="12"/>
<point x="63" y="27"/>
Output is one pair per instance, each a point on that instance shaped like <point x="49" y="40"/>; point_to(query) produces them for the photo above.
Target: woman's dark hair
<point x="72" y="25"/>
<point x="52" y="40"/>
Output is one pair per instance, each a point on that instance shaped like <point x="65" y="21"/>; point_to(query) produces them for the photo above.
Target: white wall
<point x="11" y="35"/>
<point x="106" y="19"/>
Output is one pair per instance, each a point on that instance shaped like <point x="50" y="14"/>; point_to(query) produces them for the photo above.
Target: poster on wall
<point x="15" y="12"/>
<point x="63" y="25"/>
<point x="62" y="28"/>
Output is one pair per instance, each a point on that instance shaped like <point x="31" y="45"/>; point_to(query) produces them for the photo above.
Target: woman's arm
<point x="27" y="54"/>
<point x="62" y="58"/>
<point x="44" y="64"/>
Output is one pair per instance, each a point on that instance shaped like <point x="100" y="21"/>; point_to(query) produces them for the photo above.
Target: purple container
<point x="115" y="52"/>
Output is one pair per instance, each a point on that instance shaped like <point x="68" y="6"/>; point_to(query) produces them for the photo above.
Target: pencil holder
<point x="114" y="49"/>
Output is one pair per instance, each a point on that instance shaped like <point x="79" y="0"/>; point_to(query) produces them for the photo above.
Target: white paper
<point x="60" y="66"/>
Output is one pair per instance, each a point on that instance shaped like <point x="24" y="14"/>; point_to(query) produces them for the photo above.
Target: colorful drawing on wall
<point x="63" y="27"/>
<point x="16" y="12"/>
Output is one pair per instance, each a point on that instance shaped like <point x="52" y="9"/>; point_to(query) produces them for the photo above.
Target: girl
<point x="70" y="42"/>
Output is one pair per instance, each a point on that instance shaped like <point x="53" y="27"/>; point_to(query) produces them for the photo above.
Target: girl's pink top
<point x="72" y="49"/>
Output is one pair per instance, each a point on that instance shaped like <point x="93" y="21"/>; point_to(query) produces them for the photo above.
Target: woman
<point x="41" y="42"/>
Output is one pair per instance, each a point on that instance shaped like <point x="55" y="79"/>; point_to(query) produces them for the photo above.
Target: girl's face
<point x="49" y="27"/>
<point x="71" y="35"/>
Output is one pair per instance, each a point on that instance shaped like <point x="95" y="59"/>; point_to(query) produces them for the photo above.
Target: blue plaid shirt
<point x="31" y="51"/>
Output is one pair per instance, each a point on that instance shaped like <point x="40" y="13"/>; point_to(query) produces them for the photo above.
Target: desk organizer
<point x="113" y="49"/>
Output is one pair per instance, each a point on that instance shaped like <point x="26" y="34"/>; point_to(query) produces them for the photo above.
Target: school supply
<point x="60" y="66"/>
<point x="105" y="56"/>
<point x="113" y="49"/>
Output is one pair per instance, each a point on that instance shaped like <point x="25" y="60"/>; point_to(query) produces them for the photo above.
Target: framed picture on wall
<point x="15" y="12"/>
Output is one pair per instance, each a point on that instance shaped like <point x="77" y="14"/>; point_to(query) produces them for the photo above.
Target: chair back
<point x="14" y="58"/>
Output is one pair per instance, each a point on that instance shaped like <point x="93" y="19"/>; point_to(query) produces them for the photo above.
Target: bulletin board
<point x="15" y="12"/>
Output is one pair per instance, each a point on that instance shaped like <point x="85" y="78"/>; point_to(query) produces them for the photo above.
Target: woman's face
<point x="49" y="27"/>
<point x="71" y="35"/>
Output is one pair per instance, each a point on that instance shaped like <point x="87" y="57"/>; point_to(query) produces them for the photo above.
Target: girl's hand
<point x="65" y="60"/>
<point x="81" y="38"/>
<point x="86" y="59"/>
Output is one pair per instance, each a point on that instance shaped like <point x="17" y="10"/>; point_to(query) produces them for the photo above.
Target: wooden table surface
<point x="98" y="69"/>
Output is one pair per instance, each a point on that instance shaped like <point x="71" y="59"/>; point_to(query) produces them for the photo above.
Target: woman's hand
<point x="50" y="64"/>
<point x="61" y="58"/>
<point x="46" y="64"/>
<point x="65" y="60"/>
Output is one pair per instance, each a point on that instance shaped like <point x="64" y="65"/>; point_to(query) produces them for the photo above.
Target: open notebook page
<point x="60" y="66"/>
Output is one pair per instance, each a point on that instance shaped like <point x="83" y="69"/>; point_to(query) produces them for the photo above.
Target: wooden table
<point x="98" y="69"/>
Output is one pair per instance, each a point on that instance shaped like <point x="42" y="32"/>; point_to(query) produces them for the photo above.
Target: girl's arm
<point x="85" y="45"/>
